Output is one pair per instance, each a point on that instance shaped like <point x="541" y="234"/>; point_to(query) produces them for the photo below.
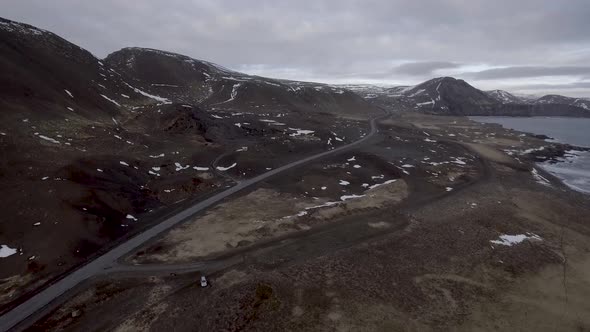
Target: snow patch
<point x="539" y="178"/>
<point x="425" y="103"/>
<point x="420" y="91"/>
<point x="299" y="132"/>
<point x="234" y="92"/>
<point x="347" y="197"/>
<point x="49" y="139"/>
<point x="6" y="251"/>
<point x="223" y="169"/>
<point x="381" y="184"/>
<point x="510" y="240"/>
<point x="111" y="100"/>
<point x="179" y="167"/>
<point x="143" y="93"/>
<point x="527" y="151"/>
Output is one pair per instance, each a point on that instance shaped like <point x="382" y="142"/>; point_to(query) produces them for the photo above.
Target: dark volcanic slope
<point x="173" y="75"/>
<point x="505" y="97"/>
<point x="93" y="149"/>
<point x="183" y="79"/>
<point x="447" y="95"/>
<point x="45" y="74"/>
<point x="450" y="96"/>
<point x="562" y="100"/>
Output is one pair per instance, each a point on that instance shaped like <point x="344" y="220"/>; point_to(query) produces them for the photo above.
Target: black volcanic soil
<point x="433" y="260"/>
<point x="110" y="179"/>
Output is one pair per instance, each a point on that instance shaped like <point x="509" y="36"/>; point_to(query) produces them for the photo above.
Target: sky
<point x="525" y="46"/>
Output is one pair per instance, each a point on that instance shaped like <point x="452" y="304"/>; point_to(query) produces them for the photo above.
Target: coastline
<point x="570" y="162"/>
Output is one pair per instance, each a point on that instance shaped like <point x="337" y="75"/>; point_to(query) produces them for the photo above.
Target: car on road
<point x="203" y="281"/>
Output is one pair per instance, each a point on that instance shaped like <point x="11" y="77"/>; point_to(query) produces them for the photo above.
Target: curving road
<point x="109" y="259"/>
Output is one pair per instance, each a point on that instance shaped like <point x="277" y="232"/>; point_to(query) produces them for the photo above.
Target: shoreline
<point x="553" y="158"/>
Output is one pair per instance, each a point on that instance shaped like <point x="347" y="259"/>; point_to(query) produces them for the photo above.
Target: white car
<point x="203" y="281"/>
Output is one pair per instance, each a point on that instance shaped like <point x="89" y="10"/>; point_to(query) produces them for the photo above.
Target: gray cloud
<point x="567" y="86"/>
<point x="331" y="40"/>
<point x="423" y="68"/>
<point x="524" y="71"/>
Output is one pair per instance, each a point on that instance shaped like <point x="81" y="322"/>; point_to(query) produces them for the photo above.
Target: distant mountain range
<point x="39" y="65"/>
<point x="450" y="96"/>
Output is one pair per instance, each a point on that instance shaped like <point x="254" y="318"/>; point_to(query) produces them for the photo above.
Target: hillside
<point x="447" y="95"/>
<point x="505" y="97"/>
<point x="186" y="80"/>
<point x="96" y="149"/>
<point x="450" y="96"/>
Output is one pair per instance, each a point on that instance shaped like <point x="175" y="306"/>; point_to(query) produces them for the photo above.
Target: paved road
<point x="108" y="260"/>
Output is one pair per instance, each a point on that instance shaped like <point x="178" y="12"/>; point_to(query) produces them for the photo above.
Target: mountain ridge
<point x="92" y="146"/>
<point x="450" y="96"/>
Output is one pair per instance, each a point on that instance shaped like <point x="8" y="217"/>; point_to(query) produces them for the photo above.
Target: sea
<point x="574" y="168"/>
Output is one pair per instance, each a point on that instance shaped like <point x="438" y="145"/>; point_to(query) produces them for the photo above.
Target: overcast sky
<point x="525" y="46"/>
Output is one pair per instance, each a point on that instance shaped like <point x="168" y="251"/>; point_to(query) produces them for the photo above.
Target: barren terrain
<point x="482" y="243"/>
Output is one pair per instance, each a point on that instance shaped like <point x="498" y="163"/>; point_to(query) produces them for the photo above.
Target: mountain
<point x="187" y="80"/>
<point x="561" y="100"/>
<point x="505" y="97"/>
<point x="447" y="95"/>
<point x="450" y="96"/>
<point x="93" y="150"/>
<point x="42" y="71"/>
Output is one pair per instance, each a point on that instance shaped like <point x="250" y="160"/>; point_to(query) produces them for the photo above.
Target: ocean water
<point x="574" y="169"/>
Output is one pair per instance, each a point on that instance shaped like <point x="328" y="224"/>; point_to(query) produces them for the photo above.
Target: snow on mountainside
<point x="447" y="95"/>
<point x="186" y="80"/>
<point x="59" y="76"/>
<point x="450" y="96"/>
<point x="87" y="142"/>
<point x="562" y="100"/>
<point x="505" y="97"/>
<point x="21" y="28"/>
<point x="582" y="103"/>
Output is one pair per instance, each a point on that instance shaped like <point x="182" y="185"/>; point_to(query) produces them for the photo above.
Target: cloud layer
<point x="497" y="43"/>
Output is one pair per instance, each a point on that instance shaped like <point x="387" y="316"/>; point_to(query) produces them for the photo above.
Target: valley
<point x="306" y="205"/>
